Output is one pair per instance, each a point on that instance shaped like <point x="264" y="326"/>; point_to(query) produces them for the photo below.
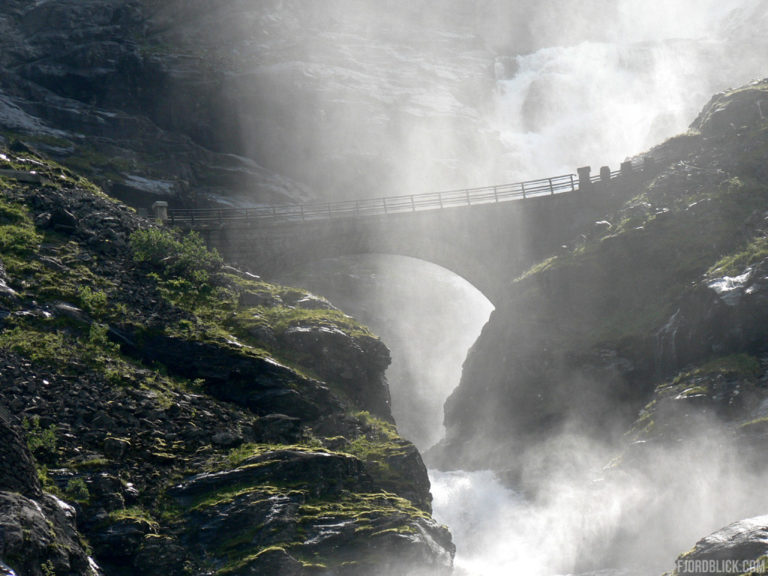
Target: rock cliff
<point x="644" y="328"/>
<point x="240" y="102"/>
<point x="181" y="416"/>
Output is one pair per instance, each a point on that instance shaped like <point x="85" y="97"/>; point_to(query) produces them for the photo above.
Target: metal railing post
<point x="522" y="185"/>
<point x="384" y="202"/>
<point x="551" y="187"/>
<point x="469" y="202"/>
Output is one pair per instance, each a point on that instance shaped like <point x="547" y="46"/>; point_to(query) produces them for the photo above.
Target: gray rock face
<point x="94" y="69"/>
<point x="36" y="529"/>
<point x="17" y="469"/>
<point x="736" y="549"/>
<point x="733" y="111"/>
<point x="354" y="363"/>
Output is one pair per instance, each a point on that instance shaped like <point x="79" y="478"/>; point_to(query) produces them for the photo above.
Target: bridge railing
<point x="380" y="206"/>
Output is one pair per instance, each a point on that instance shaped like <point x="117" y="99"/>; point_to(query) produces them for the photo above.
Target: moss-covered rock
<point x="185" y="439"/>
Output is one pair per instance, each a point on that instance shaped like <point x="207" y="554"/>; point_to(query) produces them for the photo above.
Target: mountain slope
<point x="191" y="413"/>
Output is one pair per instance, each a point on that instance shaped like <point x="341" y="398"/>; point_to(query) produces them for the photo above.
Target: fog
<point x="629" y="512"/>
<point x="371" y="98"/>
<point x="396" y="97"/>
<point x="426" y="315"/>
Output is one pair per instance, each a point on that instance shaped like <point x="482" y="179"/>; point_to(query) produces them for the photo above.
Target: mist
<point x="401" y="97"/>
<point x="361" y="99"/>
<point x="428" y="317"/>
<point x="630" y="511"/>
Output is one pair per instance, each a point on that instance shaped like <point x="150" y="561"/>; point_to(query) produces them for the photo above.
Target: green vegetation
<point x="741" y="366"/>
<point x="737" y="262"/>
<point x="77" y="490"/>
<point x="40" y="441"/>
<point x="77" y="299"/>
<point x="18" y="236"/>
<point x="133" y="514"/>
<point x="174" y="254"/>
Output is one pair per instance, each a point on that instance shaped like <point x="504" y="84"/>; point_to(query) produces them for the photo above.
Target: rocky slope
<point x="243" y="101"/>
<point x="181" y="416"/>
<point x="651" y="322"/>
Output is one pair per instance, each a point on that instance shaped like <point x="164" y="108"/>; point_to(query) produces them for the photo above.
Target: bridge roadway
<point x="487" y="235"/>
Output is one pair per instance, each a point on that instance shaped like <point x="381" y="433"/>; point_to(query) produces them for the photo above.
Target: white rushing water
<point x="590" y="83"/>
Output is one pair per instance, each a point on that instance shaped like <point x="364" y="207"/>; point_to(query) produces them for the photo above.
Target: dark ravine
<point x="182" y="416"/>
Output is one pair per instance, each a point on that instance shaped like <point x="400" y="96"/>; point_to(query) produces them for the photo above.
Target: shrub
<point x="175" y="254"/>
<point x="40" y="441"/>
<point x="77" y="489"/>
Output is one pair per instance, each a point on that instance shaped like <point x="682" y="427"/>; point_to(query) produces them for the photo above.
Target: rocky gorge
<point x="163" y="412"/>
<point x="182" y="416"/>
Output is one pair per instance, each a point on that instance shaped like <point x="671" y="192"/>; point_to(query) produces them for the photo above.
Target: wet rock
<point x="273" y="562"/>
<point x="278" y="428"/>
<point x="62" y="220"/>
<point x="159" y="556"/>
<point x="121" y="540"/>
<point x="116" y="448"/>
<point x="71" y="312"/>
<point x="356" y="363"/>
<point x="227" y="439"/>
<point x="323" y="473"/>
<point x="728" y="551"/>
<point x="312" y="302"/>
<point x="17" y="468"/>
<point x="37" y="532"/>
<point x="734" y="110"/>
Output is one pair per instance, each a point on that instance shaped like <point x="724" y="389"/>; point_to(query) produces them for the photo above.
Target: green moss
<point x="52" y="348"/>
<point x="281" y="318"/>
<point x="737" y="365"/>
<point x="134" y="514"/>
<point x="546" y="264"/>
<point x="737" y="262"/>
<point x="18" y="235"/>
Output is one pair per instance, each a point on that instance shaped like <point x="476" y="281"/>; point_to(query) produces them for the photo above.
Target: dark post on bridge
<point x="585" y="182"/>
<point x="605" y="175"/>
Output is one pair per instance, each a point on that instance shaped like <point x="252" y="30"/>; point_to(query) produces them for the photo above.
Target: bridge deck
<point x="382" y="206"/>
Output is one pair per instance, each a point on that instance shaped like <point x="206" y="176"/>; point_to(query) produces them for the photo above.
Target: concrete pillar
<point x="160" y="211"/>
<point x="626" y="168"/>
<point x="584" y="181"/>
<point x="649" y="164"/>
<point x="605" y="174"/>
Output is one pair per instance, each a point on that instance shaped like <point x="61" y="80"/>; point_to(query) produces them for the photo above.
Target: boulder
<point x="738" y="548"/>
<point x="40" y="532"/>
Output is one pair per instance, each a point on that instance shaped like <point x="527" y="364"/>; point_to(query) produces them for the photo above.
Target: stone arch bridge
<point x="488" y="235"/>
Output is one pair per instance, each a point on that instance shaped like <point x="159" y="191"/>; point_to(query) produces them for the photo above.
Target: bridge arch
<point x="487" y="245"/>
<point x="478" y="234"/>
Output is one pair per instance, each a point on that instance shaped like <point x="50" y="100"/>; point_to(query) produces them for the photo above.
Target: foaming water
<point x="428" y="317"/>
<point x="587" y="518"/>
<point x="568" y="106"/>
